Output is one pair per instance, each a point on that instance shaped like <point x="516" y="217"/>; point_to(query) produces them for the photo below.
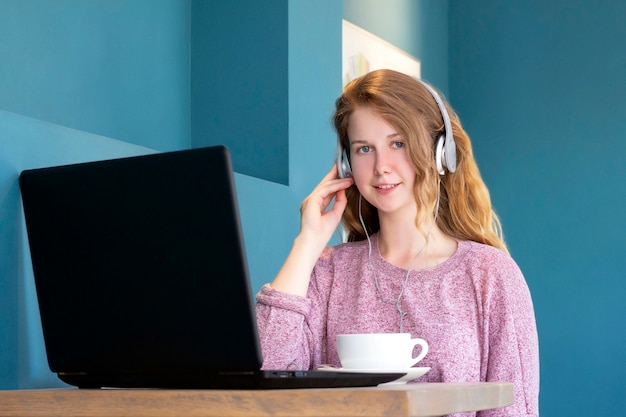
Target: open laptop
<point x="142" y="279"/>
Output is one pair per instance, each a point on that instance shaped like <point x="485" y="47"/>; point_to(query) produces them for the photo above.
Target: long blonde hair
<point x="464" y="209"/>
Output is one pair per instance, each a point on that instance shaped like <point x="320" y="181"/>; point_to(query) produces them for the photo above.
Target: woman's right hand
<point x="317" y="224"/>
<point x="318" y="219"/>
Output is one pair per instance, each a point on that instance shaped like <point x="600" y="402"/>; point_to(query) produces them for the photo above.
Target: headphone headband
<point x="445" y="150"/>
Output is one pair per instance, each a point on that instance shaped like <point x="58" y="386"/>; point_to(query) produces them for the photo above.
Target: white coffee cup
<point x="379" y="350"/>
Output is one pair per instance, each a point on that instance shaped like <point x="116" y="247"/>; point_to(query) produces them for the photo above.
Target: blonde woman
<point x="424" y="252"/>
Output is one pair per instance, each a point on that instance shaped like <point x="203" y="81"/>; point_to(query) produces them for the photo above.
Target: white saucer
<point x="411" y="373"/>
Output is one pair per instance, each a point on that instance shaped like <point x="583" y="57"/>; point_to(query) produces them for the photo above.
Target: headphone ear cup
<point x="445" y="155"/>
<point x="343" y="164"/>
<point x="347" y="169"/>
<point x="449" y="155"/>
<point x="439" y="156"/>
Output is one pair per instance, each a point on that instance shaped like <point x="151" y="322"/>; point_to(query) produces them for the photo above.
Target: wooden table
<point x="411" y="400"/>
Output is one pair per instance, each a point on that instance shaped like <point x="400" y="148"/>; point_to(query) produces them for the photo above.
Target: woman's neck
<point x="403" y="245"/>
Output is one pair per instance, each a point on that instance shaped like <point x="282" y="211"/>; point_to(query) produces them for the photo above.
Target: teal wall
<point x="540" y="86"/>
<point x="74" y="75"/>
<point x="239" y="87"/>
<point x="30" y="143"/>
<point x="116" y="68"/>
<point x="93" y="80"/>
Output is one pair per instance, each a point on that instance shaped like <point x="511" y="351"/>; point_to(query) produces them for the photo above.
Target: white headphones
<point x="343" y="164"/>
<point x="445" y="151"/>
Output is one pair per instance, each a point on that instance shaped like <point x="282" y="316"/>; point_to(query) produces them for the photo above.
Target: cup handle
<point x="423" y="351"/>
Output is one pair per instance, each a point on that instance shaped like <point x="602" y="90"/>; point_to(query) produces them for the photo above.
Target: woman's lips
<point x="385" y="188"/>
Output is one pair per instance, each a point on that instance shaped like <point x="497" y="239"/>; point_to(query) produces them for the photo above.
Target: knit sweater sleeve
<point x="292" y="328"/>
<point x="510" y="337"/>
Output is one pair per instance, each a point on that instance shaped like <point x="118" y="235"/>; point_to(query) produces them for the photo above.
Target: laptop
<point x="142" y="279"/>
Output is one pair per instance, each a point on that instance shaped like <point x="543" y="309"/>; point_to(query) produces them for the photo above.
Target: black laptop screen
<point x="139" y="264"/>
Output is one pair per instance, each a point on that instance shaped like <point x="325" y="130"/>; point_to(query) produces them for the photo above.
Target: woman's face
<point x="380" y="162"/>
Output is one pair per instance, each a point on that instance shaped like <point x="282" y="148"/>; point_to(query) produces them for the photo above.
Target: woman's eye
<point x="363" y="149"/>
<point x="398" y="144"/>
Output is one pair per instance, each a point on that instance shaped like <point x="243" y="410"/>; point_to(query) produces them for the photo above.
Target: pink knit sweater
<point x="474" y="310"/>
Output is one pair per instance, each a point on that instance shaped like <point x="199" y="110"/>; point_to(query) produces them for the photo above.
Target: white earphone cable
<point x="401" y="312"/>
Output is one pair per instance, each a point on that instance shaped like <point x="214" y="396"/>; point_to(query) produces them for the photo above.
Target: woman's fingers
<point x="316" y="215"/>
<point x="324" y="193"/>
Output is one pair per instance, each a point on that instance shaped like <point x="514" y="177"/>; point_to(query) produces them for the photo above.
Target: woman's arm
<point x="513" y="352"/>
<point x="318" y="222"/>
<point x="282" y="307"/>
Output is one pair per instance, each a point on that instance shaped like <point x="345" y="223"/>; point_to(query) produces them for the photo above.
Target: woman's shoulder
<point x="485" y="257"/>
<point x="338" y="260"/>
<point x="342" y="255"/>
<point x="491" y="269"/>
<point x="345" y="249"/>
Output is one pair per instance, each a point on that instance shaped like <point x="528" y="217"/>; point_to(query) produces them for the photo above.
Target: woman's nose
<point x="382" y="164"/>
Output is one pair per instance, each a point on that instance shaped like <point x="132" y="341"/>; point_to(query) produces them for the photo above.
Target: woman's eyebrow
<point x="362" y="141"/>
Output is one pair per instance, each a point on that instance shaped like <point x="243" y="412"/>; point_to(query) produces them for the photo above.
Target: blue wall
<point x="31" y="143"/>
<point x="540" y="87"/>
<point x="116" y="68"/>
<point x="93" y="80"/>
<point x="239" y="85"/>
<point x="71" y="71"/>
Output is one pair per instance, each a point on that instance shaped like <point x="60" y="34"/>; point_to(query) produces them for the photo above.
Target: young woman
<point x="424" y="252"/>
